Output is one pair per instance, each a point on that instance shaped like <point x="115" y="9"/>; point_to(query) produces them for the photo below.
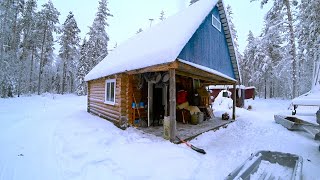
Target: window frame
<point x="108" y="100"/>
<point x="215" y="18"/>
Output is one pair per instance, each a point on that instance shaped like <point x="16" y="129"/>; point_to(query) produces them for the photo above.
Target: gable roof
<point x="160" y="44"/>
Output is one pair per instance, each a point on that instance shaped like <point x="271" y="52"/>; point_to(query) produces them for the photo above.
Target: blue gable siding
<point x="208" y="47"/>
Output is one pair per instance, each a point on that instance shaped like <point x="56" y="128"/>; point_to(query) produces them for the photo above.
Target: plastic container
<point x="197" y="118"/>
<point x="166" y="127"/>
<point x="200" y="117"/>
<point x="133" y="105"/>
<point x="194" y="119"/>
<point x="141" y="104"/>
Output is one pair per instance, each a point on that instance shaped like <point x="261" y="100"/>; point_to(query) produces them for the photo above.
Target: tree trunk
<point x="41" y="59"/>
<point x="293" y="48"/>
<point x="31" y="71"/>
<point x="271" y="89"/>
<point x="63" y="77"/>
<point x="265" y="86"/>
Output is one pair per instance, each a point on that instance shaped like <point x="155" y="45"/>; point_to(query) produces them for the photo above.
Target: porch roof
<point x="189" y="69"/>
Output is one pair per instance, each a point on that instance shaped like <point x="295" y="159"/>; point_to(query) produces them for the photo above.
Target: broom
<point x="192" y="146"/>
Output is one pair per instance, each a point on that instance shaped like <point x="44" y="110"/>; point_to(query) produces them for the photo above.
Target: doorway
<point x="157" y="103"/>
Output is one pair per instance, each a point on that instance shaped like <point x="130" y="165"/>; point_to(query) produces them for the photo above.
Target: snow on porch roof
<point x="160" y="44"/>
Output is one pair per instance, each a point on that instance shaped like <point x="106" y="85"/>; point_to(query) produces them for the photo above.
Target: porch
<point x="175" y="90"/>
<point x="188" y="131"/>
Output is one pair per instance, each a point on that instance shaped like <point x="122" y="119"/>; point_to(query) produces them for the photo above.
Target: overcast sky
<point x="130" y="15"/>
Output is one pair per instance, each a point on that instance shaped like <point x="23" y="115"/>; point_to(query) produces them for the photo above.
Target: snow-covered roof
<point x="226" y="87"/>
<point x="204" y="68"/>
<point x="311" y="98"/>
<point x="160" y="44"/>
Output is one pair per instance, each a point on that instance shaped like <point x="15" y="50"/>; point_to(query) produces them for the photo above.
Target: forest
<point x="279" y="62"/>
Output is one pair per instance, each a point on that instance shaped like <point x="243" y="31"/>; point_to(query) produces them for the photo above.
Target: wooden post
<point x="234" y="102"/>
<point x="172" y="97"/>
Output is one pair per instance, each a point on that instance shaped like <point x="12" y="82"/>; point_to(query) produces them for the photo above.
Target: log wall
<point x="117" y="113"/>
<point x="121" y="114"/>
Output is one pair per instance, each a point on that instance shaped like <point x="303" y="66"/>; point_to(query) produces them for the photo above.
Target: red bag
<point x="182" y="96"/>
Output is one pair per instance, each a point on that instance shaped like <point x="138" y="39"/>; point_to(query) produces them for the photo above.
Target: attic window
<point x="216" y="23"/>
<point x="110" y="92"/>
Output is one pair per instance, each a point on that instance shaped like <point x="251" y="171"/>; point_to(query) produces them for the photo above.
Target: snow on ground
<point x="53" y="137"/>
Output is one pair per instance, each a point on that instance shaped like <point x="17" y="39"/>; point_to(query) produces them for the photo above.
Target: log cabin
<point x="142" y="76"/>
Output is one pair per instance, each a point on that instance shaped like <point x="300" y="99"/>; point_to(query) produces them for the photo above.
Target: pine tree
<point x="83" y="69"/>
<point x="10" y="34"/>
<point x="308" y="33"/>
<point x="69" y="42"/>
<point x="162" y="16"/>
<point x="27" y="46"/>
<point x="247" y="63"/>
<point x="47" y="20"/>
<point x="285" y="6"/>
<point x="98" y="37"/>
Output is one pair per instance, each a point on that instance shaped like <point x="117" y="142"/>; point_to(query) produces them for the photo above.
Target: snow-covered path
<point x="53" y="137"/>
<point x="27" y="136"/>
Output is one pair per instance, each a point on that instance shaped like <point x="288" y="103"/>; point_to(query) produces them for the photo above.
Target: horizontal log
<point x="91" y="99"/>
<point x="109" y="110"/>
<point x="115" y="116"/>
<point x="97" y="93"/>
<point x="98" y="87"/>
<point x="95" y="97"/>
<point x="105" y="116"/>
<point x="105" y="108"/>
<point x="155" y="68"/>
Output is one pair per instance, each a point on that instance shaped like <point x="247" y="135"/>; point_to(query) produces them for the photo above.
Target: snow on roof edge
<point x="236" y="55"/>
<point x="226" y="87"/>
<point x="207" y="69"/>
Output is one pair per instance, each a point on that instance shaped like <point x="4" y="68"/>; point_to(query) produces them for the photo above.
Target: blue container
<point x="133" y="105"/>
<point x="141" y="104"/>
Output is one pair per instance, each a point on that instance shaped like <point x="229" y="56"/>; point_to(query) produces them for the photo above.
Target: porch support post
<point x="172" y="101"/>
<point x="234" y="102"/>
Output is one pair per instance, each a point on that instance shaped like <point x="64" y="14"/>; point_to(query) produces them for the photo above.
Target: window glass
<point x="216" y="23"/>
<point x="108" y="91"/>
<point x="112" y="92"/>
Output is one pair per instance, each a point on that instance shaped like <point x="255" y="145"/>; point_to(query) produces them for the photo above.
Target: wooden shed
<point x="141" y="77"/>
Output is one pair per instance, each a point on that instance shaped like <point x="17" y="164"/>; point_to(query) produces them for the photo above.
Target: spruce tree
<point x="69" y="52"/>
<point x="27" y="46"/>
<point x="247" y="63"/>
<point x="285" y="7"/>
<point x="83" y="69"/>
<point x="10" y="35"/>
<point x="98" y="37"/>
<point x="308" y="33"/>
<point x="47" y="25"/>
